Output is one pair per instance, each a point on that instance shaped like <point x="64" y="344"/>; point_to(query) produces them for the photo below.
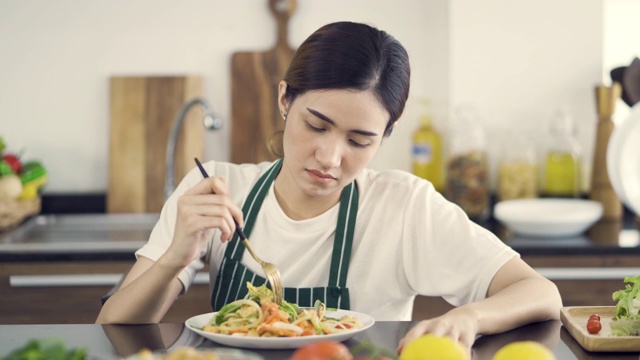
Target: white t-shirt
<point x="408" y="240"/>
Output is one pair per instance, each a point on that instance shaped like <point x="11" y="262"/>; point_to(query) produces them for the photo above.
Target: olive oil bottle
<point x="562" y="169"/>
<point x="427" y="153"/>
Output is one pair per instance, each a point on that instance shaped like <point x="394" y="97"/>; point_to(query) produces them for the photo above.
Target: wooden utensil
<point x="601" y="188"/>
<point x="142" y="112"/>
<point x="254" y="83"/>
<point x="270" y="270"/>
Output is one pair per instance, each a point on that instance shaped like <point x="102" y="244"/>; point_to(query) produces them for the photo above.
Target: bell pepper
<point x="33" y="171"/>
<point x="14" y="161"/>
<point x="33" y="177"/>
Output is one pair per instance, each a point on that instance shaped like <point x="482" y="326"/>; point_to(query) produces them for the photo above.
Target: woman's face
<point x="329" y="136"/>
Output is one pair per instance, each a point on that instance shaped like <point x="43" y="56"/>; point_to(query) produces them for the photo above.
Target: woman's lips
<point x="321" y="177"/>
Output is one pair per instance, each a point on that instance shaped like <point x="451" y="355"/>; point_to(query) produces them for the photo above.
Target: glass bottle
<point x="466" y="167"/>
<point x="517" y="169"/>
<point x="427" y="153"/>
<point x="561" y="170"/>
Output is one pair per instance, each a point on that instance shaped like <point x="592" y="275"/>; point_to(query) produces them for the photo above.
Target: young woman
<point x="352" y="237"/>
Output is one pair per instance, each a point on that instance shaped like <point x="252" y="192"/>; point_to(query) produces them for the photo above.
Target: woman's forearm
<point x="528" y="300"/>
<point x="145" y="296"/>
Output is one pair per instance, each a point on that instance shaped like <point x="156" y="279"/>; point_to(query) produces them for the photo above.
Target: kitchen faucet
<point x="211" y="122"/>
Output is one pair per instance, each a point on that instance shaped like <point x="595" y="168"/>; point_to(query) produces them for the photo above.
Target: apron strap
<point x="343" y="239"/>
<point x="251" y="207"/>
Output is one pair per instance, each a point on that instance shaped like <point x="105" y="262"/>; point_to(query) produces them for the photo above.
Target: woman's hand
<point x="200" y="210"/>
<point x="460" y="324"/>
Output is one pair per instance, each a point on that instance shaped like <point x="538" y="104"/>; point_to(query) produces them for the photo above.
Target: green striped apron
<point x="232" y="275"/>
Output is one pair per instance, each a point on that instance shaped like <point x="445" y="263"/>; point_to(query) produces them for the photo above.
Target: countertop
<point x="120" y="341"/>
<point x="620" y="237"/>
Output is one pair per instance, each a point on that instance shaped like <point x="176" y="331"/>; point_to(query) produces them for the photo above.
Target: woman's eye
<point x="357" y="144"/>
<point x="316" y="129"/>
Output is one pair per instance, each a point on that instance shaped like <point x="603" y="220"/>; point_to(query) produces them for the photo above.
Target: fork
<point x="271" y="271"/>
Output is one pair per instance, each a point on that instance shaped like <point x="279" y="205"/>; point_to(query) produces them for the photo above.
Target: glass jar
<point x="561" y="171"/>
<point x="517" y="169"/>
<point x="467" y="183"/>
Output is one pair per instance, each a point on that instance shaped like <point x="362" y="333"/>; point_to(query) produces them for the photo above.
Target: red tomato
<point x="594" y="326"/>
<point x="594" y="316"/>
<point x="323" y="350"/>
<point x="13" y="161"/>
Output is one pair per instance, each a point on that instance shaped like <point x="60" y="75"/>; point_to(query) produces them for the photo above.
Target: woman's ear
<point x="282" y="98"/>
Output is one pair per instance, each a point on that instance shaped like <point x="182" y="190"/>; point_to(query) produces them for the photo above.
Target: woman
<point x="355" y="238"/>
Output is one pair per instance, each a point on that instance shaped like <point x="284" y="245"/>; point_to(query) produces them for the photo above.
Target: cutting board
<point x="574" y="318"/>
<point x="254" y="88"/>
<point x="142" y="113"/>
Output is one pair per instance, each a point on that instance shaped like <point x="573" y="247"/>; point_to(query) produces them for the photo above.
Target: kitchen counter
<point x="105" y="342"/>
<point x="46" y="241"/>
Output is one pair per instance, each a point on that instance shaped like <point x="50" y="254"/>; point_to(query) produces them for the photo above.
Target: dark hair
<point x="347" y="55"/>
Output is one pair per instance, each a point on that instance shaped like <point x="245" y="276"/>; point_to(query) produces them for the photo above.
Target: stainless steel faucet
<point x="211" y="122"/>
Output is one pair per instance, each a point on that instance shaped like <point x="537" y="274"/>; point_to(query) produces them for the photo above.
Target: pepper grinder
<point x="601" y="188"/>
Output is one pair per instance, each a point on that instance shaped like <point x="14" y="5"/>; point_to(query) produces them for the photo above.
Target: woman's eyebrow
<point x="325" y="118"/>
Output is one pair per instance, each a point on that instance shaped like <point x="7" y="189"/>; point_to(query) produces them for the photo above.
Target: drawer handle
<point x="80" y="280"/>
<point x="588" y="273"/>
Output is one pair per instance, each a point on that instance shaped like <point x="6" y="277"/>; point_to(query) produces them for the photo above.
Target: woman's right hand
<point x="200" y="210"/>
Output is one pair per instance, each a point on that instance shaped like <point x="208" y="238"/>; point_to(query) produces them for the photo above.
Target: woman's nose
<point x="329" y="155"/>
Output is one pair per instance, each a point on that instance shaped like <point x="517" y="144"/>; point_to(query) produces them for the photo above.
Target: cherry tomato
<point x="322" y="350"/>
<point x="594" y="326"/>
<point x="594" y="316"/>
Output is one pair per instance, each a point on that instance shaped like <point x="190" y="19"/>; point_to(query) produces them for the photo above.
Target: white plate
<point x="623" y="160"/>
<point x="197" y="322"/>
<point x="548" y="217"/>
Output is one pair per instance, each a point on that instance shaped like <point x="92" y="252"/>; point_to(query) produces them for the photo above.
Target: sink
<point x="126" y="232"/>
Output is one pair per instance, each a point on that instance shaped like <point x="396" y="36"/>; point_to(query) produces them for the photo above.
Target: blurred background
<point x="515" y="62"/>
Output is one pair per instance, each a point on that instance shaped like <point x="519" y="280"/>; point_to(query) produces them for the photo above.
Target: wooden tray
<point x="575" y="319"/>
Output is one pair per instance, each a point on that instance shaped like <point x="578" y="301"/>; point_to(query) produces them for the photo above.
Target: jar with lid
<point x="561" y="170"/>
<point x="467" y="183"/>
<point x="517" y="168"/>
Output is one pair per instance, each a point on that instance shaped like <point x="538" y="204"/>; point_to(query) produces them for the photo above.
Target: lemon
<point x="431" y="347"/>
<point x="524" y="350"/>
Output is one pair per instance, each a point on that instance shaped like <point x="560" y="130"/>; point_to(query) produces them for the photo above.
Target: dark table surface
<point x="120" y="341"/>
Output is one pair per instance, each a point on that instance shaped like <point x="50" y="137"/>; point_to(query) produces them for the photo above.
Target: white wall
<point x="517" y="61"/>
<point x="56" y="58"/>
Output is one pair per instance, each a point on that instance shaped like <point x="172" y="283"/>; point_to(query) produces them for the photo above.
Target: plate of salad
<point x="257" y="322"/>
<point x="608" y="328"/>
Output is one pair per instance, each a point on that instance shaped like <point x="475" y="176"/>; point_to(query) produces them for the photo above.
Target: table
<point x="106" y="342"/>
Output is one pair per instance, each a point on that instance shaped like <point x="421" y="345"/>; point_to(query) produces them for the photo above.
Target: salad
<point x="626" y="322"/>
<point x="258" y="315"/>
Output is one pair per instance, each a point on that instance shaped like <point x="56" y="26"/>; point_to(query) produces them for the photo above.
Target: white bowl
<point x="548" y="217"/>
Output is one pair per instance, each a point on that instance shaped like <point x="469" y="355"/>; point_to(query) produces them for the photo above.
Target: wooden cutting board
<point x="574" y="318"/>
<point x="254" y="88"/>
<point x="142" y="113"/>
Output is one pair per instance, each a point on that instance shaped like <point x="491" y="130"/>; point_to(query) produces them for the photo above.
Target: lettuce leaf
<point x="628" y="306"/>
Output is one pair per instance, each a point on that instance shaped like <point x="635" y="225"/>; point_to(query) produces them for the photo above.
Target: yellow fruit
<point x="431" y="347"/>
<point x="524" y="350"/>
<point x="29" y="192"/>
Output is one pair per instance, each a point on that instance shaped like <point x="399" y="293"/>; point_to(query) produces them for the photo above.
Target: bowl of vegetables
<point x="21" y="183"/>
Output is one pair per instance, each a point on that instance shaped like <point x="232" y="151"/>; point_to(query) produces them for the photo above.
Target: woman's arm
<point x="517" y="295"/>
<point x="151" y="287"/>
<point x="145" y="296"/>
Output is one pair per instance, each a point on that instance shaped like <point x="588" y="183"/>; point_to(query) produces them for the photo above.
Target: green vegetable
<point x="227" y="309"/>
<point x="32" y="171"/>
<point x="628" y="299"/>
<point x="2" y="145"/>
<point x="48" y="349"/>
<point x="5" y="168"/>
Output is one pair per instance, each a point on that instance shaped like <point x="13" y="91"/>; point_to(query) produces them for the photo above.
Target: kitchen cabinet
<point x="586" y="279"/>
<point x="48" y="292"/>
